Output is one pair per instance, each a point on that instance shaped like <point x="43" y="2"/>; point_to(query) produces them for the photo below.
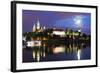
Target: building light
<point x="79" y="30"/>
<point x="60" y="33"/>
<point x="33" y="43"/>
<point x="30" y="43"/>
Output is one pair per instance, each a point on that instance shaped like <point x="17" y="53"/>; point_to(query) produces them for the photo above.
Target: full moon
<point x="78" y="21"/>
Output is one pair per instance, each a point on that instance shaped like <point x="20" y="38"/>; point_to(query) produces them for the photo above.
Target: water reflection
<point x="78" y="54"/>
<point x="51" y="52"/>
<point x="59" y="49"/>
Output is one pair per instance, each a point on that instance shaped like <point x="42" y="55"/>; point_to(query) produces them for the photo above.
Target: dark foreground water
<point x="51" y="52"/>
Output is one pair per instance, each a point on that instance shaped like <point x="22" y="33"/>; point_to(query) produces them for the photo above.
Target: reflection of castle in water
<point x="41" y="52"/>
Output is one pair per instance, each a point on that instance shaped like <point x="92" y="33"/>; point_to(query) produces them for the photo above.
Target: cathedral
<point x="37" y="27"/>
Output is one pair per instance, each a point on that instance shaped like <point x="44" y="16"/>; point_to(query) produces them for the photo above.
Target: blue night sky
<point x="59" y="20"/>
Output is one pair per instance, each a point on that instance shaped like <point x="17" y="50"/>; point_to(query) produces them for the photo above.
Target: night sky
<point x="59" y="20"/>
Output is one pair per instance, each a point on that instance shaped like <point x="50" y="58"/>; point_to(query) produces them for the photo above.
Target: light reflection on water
<point x="47" y="52"/>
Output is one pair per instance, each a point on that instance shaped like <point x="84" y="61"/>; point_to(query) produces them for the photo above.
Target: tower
<point x="38" y="25"/>
<point x="34" y="28"/>
<point x="44" y="28"/>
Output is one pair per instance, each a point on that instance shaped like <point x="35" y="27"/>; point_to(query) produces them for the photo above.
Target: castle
<point x="55" y="31"/>
<point x="38" y="28"/>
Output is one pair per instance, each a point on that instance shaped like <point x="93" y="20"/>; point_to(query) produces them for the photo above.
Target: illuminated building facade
<point x="37" y="27"/>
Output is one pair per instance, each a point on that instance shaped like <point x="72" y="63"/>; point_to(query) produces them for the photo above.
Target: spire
<point x="34" y="28"/>
<point x="44" y="27"/>
<point x="38" y="25"/>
